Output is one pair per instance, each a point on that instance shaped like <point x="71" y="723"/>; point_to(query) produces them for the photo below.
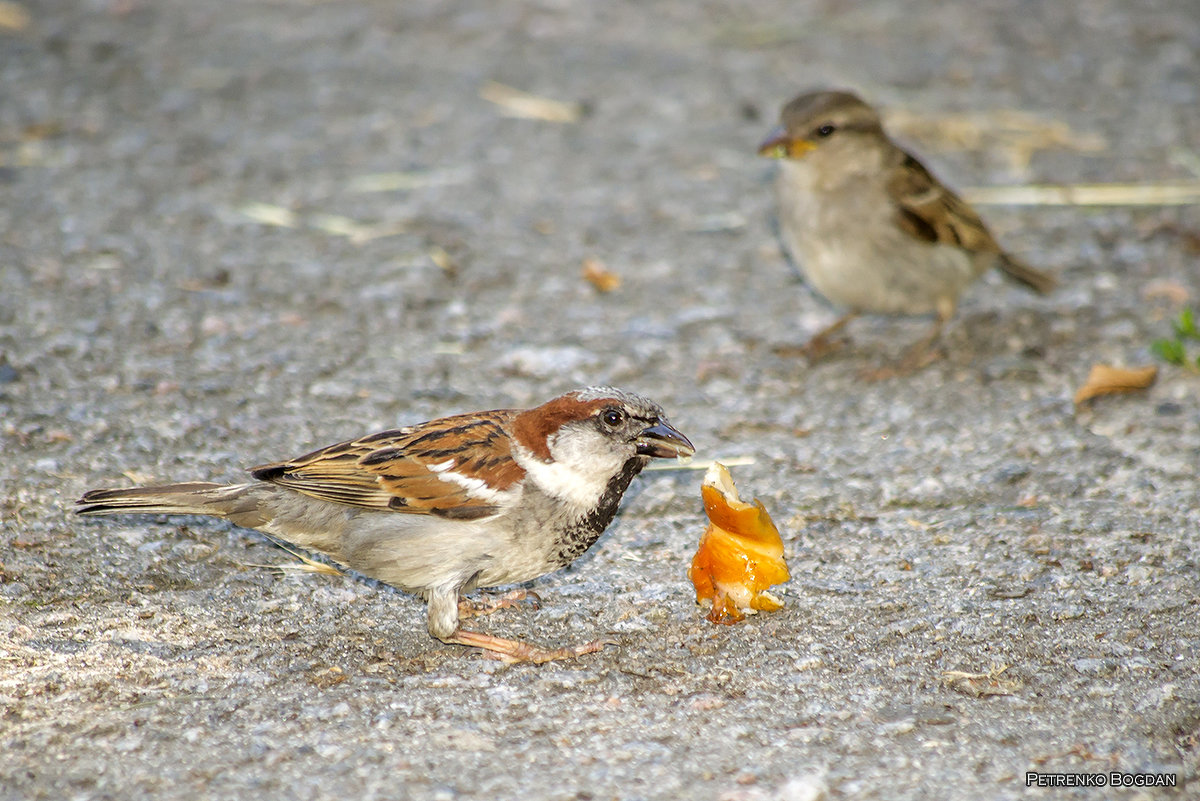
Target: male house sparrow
<point x="870" y="227"/>
<point x="440" y="508"/>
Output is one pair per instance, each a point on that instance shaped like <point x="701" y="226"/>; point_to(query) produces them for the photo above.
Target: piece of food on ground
<point x="740" y="555"/>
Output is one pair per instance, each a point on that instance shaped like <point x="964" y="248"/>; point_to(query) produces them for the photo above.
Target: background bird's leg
<point x="490" y="603"/>
<point x="513" y="651"/>
<point x="822" y="343"/>
<point x="924" y="351"/>
<point x="921" y="353"/>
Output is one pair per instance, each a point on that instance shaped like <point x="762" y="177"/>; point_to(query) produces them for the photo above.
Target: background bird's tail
<point x="1022" y="273"/>
<point x="195" y="498"/>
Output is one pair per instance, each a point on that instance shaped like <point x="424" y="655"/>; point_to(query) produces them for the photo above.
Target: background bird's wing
<point x="932" y="213"/>
<point x="457" y="467"/>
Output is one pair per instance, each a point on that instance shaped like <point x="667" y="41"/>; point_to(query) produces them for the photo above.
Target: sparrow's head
<point x="582" y="440"/>
<point x="821" y="120"/>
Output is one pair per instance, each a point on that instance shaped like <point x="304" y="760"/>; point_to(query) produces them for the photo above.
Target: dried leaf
<point x="329" y="677"/>
<point x="1173" y="292"/>
<point x="443" y="260"/>
<point x="37" y="131"/>
<point x="268" y="214"/>
<point x="599" y="276"/>
<point x="13" y="16"/>
<point x="1014" y="133"/>
<point x="338" y="225"/>
<point x="335" y="224"/>
<point x="982" y="685"/>
<point x="524" y="105"/>
<point x="1183" y="194"/>
<point x="357" y="232"/>
<point x="1106" y="380"/>
<point x="404" y="181"/>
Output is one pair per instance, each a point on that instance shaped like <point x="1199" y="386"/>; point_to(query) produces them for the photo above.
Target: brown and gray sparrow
<point x="872" y="229"/>
<point x="440" y="508"/>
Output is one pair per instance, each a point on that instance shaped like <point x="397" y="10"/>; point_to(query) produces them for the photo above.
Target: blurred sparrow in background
<point x="871" y="229"/>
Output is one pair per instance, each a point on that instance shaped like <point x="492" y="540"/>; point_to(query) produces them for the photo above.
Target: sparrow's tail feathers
<point x="194" y="498"/>
<point x="1022" y="273"/>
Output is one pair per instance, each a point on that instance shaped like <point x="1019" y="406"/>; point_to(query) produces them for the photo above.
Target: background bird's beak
<point x="661" y="441"/>
<point x="778" y="145"/>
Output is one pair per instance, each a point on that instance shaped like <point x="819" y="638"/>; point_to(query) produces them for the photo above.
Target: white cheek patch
<point x="562" y="482"/>
<point x="579" y="470"/>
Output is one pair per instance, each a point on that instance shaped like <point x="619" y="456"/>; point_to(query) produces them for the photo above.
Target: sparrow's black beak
<point x="661" y="441"/>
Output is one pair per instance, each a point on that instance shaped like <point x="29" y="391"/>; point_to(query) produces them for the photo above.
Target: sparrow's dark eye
<point x="826" y="130"/>
<point x="612" y="417"/>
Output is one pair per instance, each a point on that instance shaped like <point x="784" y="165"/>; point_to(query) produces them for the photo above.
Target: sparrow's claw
<point x="515" y="651"/>
<point x="488" y="604"/>
<point x="919" y="356"/>
<point x="821" y="344"/>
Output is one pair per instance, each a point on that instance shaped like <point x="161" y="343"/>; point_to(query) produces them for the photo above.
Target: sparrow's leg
<point x="516" y="651"/>
<point x="491" y="603"/>
<point x="443" y="614"/>
<point x="822" y="343"/>
<point x="921" y="353"/>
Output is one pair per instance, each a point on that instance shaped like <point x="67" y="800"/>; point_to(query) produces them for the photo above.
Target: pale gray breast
<point x="846" y="243"/>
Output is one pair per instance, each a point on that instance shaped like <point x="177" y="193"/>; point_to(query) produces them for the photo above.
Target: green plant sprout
<point x="1174" y="350"/>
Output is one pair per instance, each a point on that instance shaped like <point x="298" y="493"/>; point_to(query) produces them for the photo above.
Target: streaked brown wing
<point x="451" y="467"/>
<point x="932" y="213"/>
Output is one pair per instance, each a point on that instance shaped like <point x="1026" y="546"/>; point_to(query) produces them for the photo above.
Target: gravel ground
<point x="234" y="231"/>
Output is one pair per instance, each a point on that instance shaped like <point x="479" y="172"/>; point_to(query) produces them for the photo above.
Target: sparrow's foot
<point x="816" y="349"/>
<point x="911" y="363"/>
<point x="491" y="603"/>
<point x="514" y="651"/>
<point x="822" y="344"/>
<point x="919" y="355"/>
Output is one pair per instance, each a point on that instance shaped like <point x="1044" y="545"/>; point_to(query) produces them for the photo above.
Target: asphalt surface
<point x="234" y="231"/>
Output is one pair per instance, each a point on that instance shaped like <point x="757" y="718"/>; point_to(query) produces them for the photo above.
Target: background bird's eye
<point x="612" y="417"/>
<point x="826" y="129"/>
